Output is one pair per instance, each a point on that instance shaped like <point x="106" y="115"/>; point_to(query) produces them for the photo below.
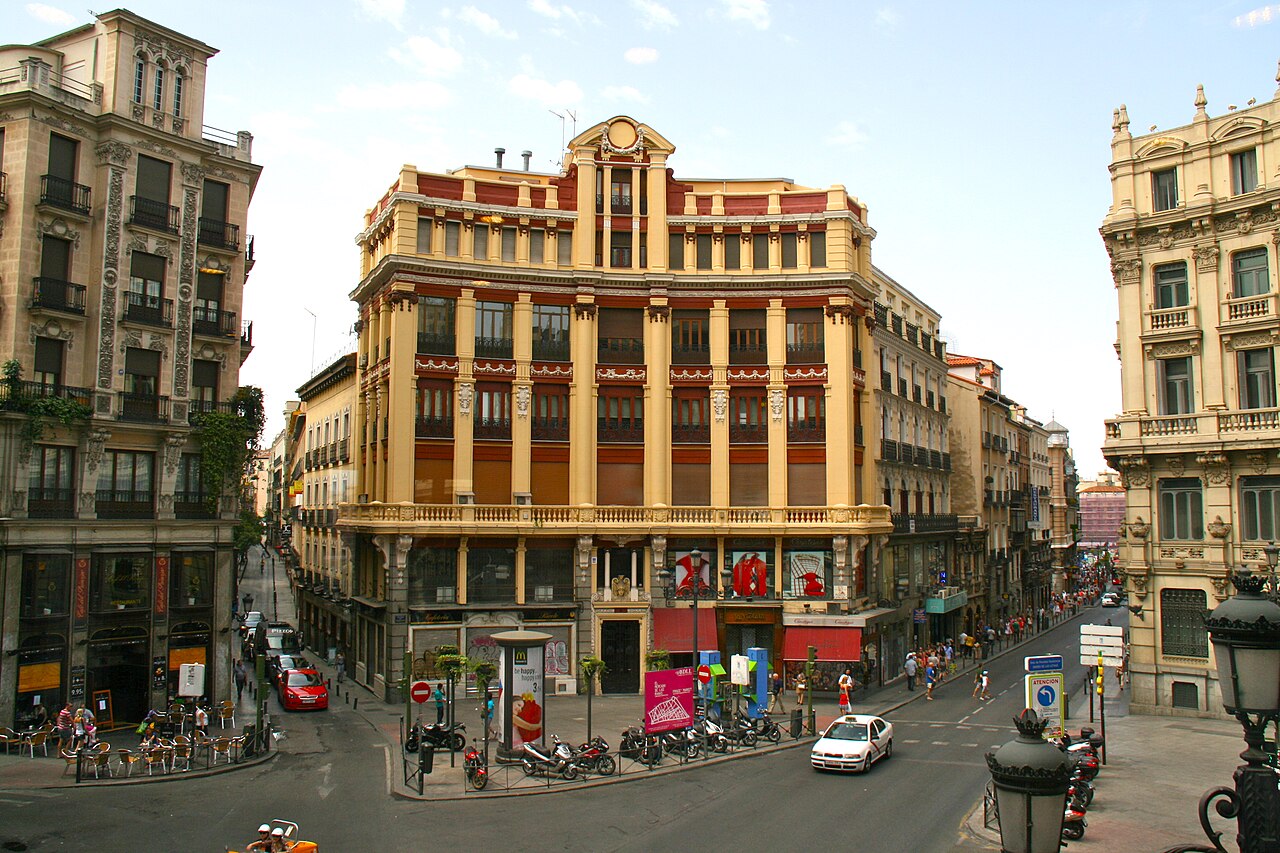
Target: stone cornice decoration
<point x="51" y="329"/>
<point x="1177" y="465"/>
<point x="841" y="313"/>
<point x="869" y="320"/>
<point x="1172" y="349"/>
<point x="1253" y="340"/>
<point x="400" y="300"/>
<point x="358" y="326"/>
<point x="494" y="368"/>
<point x="173" y="445"/>
<point x="777" y="403"/>
<point x="1244" y="221"/>
<point x="465" y="392"/>
<point x="719" y="403"/>
<point x="1259" y="462"/>
<point x="443" y="204"/>
<point x="58" y="228"/>
<point x="1139" y="528"/>
<point x="1126" y="271"/>
<point x="658" y="313"/>
<point x="625" y="374"/>
<point x="61" y="124"/>
<point x="584" y="310"/>
<point x="799" y="374"/>
<point x="192" y="174"/>
<point x="1135" y="471"/>
<point x="706" y="220"/>
<point x="1206" y="257"/>
<point x="550" y="371"/>
<point x="690" y="374"/>
<point x="1218" y="529"/>
<point x="156" y="147"/>
<point x="636" y="147"/>
<point x="1216" y="469"/>
<point x="444" y="365"/>
<point x="1220" y="583"/>
<point x="113" y="152"/>
<point x="748" y="374"/>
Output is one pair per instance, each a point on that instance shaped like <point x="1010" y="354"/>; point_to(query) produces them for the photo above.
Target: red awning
<point x="673" y="629"/>
<point x="834" y="644"/>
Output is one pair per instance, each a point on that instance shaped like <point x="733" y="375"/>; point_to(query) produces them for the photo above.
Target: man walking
<point x="341" y="662"/>
<point x="930" y="677"/>
<point x="910" y="668"/>
<point x="775" y="692"/>
<point x="242" y="677"/>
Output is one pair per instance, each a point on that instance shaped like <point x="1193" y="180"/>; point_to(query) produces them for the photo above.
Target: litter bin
<point x="249" y="739"/>
<point x="426" y="759"/>
<point x="797" y="718"/>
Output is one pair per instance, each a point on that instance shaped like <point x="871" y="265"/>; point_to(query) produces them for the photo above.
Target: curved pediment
<point x="1238" y="126"/>
<point x="1161" y="146"/>
<point x="622" y="135"/>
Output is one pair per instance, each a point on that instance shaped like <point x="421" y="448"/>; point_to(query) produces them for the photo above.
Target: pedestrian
<point x="984" y="681"/>
<point x="488" y="716"/>
<point x="910" y="668"/>
<point x="262" y="565"/>
<point x="242" y="677"/>
<point x="341" y="661"/>
<point x="776" y="685"/>
<point x="977" y="685"/>
<point x="202" y="719"/>
<point x="845" y="686"/>
<point x="801" y="687"/>
<point x="438" y="696"/>
<point x="930" y="677"/>
<point x="77" y="724"/>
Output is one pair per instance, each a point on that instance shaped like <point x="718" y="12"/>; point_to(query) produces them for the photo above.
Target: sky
<point x="977" y="134"/>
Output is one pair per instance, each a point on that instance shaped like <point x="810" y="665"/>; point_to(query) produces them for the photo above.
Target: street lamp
<point x="1031" y="778"/>
<point x="1272" y="553"/>
<point x="1245" y="631"/>
<point x="669" y="576"/>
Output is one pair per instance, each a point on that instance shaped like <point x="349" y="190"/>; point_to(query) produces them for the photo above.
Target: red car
<point x="302" y="690"/>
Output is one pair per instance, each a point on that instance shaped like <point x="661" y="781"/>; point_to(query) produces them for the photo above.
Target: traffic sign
<point x="1043" y="663"/>
<point x="1087" y="631"/>
<point x="704" y="674"/>
<point x="917" y="616"/>
<point x="1107" y="660"/>
<point x="1044" y="696"/>
<point x="420" y="692"/>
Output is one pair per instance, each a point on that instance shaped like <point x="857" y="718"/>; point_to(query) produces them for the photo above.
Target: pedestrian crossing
<point x="929" y="727"/>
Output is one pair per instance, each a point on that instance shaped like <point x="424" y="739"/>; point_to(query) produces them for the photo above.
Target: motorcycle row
<point x="1082" y="757"/>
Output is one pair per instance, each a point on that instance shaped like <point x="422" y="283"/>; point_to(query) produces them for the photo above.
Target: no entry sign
<point x="704" y="674"/>
<point x="420" y="692"/>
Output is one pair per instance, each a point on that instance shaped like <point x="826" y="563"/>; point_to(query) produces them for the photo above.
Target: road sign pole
<point x="1089" y="670"/>
<point x="1102" y="707"/>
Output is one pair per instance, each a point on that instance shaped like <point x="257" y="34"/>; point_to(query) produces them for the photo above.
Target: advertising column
<point x="521" y="702"/>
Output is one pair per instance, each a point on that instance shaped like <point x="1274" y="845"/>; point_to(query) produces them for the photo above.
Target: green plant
<point x="591" y="667"/>
<point x="249" y="529"/>
<point x="485" y="671"/>
<point x="39" y="408"/>
<point x="228" y="443"/>
<point x="452" y="664"/>
<point x="656" y="659"/>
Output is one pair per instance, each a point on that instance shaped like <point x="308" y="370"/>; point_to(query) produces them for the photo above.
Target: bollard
<point x="356" y="707"/>
<point x="327" y="685"/>
<point x="347" y="698"/>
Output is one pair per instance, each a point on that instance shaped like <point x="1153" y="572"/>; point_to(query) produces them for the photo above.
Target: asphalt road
<point x="333" y="781"/>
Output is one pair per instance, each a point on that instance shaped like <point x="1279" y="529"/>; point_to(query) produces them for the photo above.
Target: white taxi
<point x="853" y="742"/>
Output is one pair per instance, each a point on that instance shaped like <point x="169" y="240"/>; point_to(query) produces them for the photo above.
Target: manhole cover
<point x="13" y="845"/>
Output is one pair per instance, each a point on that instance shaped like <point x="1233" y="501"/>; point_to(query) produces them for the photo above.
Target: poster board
<point x="101" y="707"/>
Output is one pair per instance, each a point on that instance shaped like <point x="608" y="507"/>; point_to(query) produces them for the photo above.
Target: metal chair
<point x="9" y="737"/>
<point x="126" y="759"/>
<point x="102" y="761"/>
<point x="40" y="739"/>
<point x="181" y="752"/>
<point x="158" y="755"/>
<point x="221" y="747"/>
<point x="70" y="758"/>
<point x="227" y="711"/>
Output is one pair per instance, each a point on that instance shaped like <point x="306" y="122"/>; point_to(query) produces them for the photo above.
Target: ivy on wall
<point x="228" y="443"/>
<point x="39" y="408"/>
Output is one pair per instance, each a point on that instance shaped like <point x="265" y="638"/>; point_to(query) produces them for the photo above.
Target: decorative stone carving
<point x="719" y="403"/>
<point x="192" y="174"/>
<point x="1206" y="257"/>
<point x="1177" y="465"/>
<point x="57" y="227"/>
<point x="1172" y="349"/>
<point x="110" y="272"/>
<point x="114" y="153"/>
<point x="1221" y="586"/>
<point x="1126" y="271"/>
<point x="620" y="587"/>
<point x="658" y="313"/>
<point x="186" y="280"/>
<point x="94" y="443"/>
<point x="1216" y="469"/>
<point x="465" y="392"/>
<point x="584" y="310"/>
<point x="523" y="395"/>
<point x="51" y="329"/>
<point x="88" y="503"/>
<point x="842" y="313"/>
<point x="658" y="544"/>
<point x="173" y="445"/>
<point x="1219" y="529"/>
<point x="1139" y="528"/>
<point x="1253" y="340"/>
<point x="777" y="403"/>
<point x="1259" y="462"/>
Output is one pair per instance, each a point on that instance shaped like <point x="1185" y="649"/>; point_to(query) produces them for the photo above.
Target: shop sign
<point x="524" y="699"/>
<point x="749" y="616"/>
<point x="820" y="620"/>
<point x="76" y="685"/>
<point x="548" y="615"/>
<point x="82" y="592"/>
<point x="159" y="673"/>
<point x="162" y="585"/>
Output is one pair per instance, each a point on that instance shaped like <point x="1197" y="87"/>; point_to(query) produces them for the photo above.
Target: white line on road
<point x="940" y="743"/>
<point x="965" y="719"/>
<point x="910" y="740"/>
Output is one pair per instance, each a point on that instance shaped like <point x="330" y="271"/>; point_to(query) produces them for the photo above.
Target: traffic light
<point x="1102" y="671"/>
<point x="813" y="654"/>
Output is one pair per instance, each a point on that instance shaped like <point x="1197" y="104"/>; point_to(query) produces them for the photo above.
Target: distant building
<point x="1101" y="515"/>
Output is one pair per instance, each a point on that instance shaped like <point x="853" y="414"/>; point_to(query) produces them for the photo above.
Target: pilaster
<point x="582" y="418"/>
<point x="839" y="403"/>
<point x="657" y="233"/>
<point x="718" y="339"/>
<point x="401" y="390"/>
<point x="657" y="421"/>
<point x="464" y="389"/>
<point x="522" y="397"/>
<point x="776" y="332"/>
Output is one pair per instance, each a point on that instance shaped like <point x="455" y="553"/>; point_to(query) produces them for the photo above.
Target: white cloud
<point x="561" y="11"/>
<point x="624" y="93"/>
<point x="887" y="17"/>
<point x="653" y="15"/>
<point x="390" y="11"/>
<point x="50" y="14"/>
<point x="420" y="95"/>
<point x="1252" y="18"/>
<point x="483" y="21"/>
<point x="846" y="135"/>
<point x="431" y="57"/>
<point x="752" y="12"/>
<point x="564" y="93"/>
<point x="640" y="55"/>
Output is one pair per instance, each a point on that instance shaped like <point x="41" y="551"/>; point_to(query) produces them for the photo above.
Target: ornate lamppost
<point x="1031" y="778"/>
<point x="1245" y="632"/>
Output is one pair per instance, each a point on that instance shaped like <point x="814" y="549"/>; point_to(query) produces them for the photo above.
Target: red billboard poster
<point x="523" y="696"/>
<point x="668" y="699"/>
<point x="82" y="588"/>
<point x="162" y="585"/>
<point x="691" y="571"/>
<point x="750" y="574"/>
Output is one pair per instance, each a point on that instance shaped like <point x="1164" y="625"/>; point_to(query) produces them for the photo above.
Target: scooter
<point x="558" y="760"/>
<point x="437" y="735"/>
<point x="742" y="732"/>
<point x="684" y="741"/>
<point x="638" y="746"/>
<point x="768" y="729"/>
<point x="1073" y="823"/>
<point x="473" y="765"/>
<point x="711" y="734"/>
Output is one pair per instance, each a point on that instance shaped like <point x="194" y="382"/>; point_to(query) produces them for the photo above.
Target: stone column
<point x="401" y="393"/>
<point x="718" y="339"/>
<point x="522" y="397"/>
<point x="657" y="420"/>
<point x="582" y="406"/>
<point x="657" y="233"/>
<point x="776" y="325"/>
<point x="395" y="552"/>
<point x="465" y="388"/>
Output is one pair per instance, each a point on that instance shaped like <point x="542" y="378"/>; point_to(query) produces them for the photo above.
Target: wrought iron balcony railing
<point x="149" y="213"/>
<point x="219" y="234"/>
<point x="57" y="295"/>
<point x="64" y="194"/>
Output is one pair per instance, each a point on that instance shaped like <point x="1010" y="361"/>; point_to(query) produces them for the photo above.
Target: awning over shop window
<point x="834" y="644"/>
<point x="673" y="629"/>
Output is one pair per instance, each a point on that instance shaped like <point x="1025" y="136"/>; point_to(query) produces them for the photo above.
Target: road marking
<point x="968" y="744"/>
<point x="936" y="725"/>
<point x="910" y="740"/>
<point x="962" y="728"/>
<point x="15" y="802"/>
<point x="965" y="719"/>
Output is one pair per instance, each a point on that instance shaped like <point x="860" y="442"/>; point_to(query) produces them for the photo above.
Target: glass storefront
<point x="120" y="582"/>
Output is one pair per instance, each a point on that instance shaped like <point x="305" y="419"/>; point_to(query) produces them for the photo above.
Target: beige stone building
<point x="123" y="258"/>
<point x="1192" y="234"/>
<point x="571" y="382"/>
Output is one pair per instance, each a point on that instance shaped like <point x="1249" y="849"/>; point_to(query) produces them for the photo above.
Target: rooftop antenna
<point x="572" y="116"/>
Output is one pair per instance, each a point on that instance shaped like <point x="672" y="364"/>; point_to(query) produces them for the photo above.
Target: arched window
<point x="139" y="73"/>
<point x="178" y="81"/>
<point x="157" y="98"/>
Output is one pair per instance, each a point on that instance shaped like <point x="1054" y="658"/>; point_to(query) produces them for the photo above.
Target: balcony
<point x="620" y="203"/>
<point x="32" y="390"/>
<point x="924" y="523"/>
<point x="493" y="347"/>
<point x="935" y="459"/>
<point x="612" y="432"/>
<point x="551" y="349"/>
<point x="1169" y="425"/>
<point x="806" y="433"/>
<point x="246" y="336"/>
<point x="805" y="353"/>
<point x="212" y="322"/>
<point x="690" y="434"/>
<point x="946" y="462"/>
<point x="691" y="353"/>
<point x="1166" y="320"/>
<point x="857" y="436"/>
<point x="740" y="433"/>
<point x="125" y="503"/>
<point x="344" y="450"/>
<point x="143" y="408"/>
<point x="1250" y="420"/>
<point x="53" y="294"/>
<point x="64" y="194"/>
<point x="198" y="407"/>
<point x="886" y="380"/>
<point x="916" y="393"/>
<point x="156" y="215"/>
<point x="946" y="599"/>
<point x="51" y="503"/>
<point x="218" y="234"/>
<point x="191" y="505"/>
<point x="149" y="310"/>
<point x="491" y="593"/>
<point x="433" y="427"/>
<point x="1245" y="309"/>
<point x="620" y="351"/>
<point x="888" y="450"/>
<point x="430" y="343"/>
<point x="544" y="593"/>
<point x="902" y="387"/>
<point x="248" y="254"/>
<point x="749" y="353"/>
<point x="493" y="429"/>
<point x="549" y="429"/>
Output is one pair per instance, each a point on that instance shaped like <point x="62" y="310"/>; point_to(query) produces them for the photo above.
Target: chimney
<point x="499" y="152"/>
<point x="526" y="154"/>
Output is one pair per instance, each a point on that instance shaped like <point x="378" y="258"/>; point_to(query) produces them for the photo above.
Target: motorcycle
<point x="593" y="757"/>
<point x="437" y="735"/>
<point x="768" y="729"/>
<point x="683" y="741"/>
<point x="474" y="766"/>
<point x="1084" y="766"/>
<point x="537" y="761"/>
<point x="1073" y="823"/>
<point x="742" y="732"/>
<point x="640" y="747"/>
<point x="1080" y="793"/>
<point x="711" y="734"/>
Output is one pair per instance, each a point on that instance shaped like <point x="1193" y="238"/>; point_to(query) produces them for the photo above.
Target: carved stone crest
<point x="465" y="391"/>
<point x="620" y="587"/>
<point x="523" y="395"/>
<point x="1259" y="462"/>
<point x="777" y="403"/>
<point x="1139" y="528"/>
<point x="659" y="313"/>
<point x="1177" y="466"/>
<point x="1206" y="257"/>
<point x="1126" y="270"/>
<point x="1219" y="529"/>
<point x="719" y="403"/>
<point x="1134" y="471"/>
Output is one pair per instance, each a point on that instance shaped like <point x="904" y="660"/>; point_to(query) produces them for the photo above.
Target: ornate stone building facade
<point x="122" y="263"/>
<point x="1192" y="232"/>
<point x="571" y="384"/>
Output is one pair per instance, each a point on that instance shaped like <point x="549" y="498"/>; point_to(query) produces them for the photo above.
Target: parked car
<point x="251" y="620"/>
<point x="853" y="742"/>
<point x="283" y="639"/>
<point x="280" y="664"/>
<point x="1111" y="599"/>
<point x="302" y="690"/>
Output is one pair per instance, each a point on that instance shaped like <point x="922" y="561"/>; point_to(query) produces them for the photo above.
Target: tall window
<point x="46" y="584"/>
<point x="426" y="225"/>
<point x="509" y="245"/>
<point x="551" y="332"/>
<point x="620" y="249"/>
<point x="1181" y="509"/>
<point x="550" y="412"/>
<point x="703" y="251"/>
<point x="1164" y="189"/>
<point x="537" y="245"/>
<point x="435" y="408"/>
<point x="1244" y="171"/>
<point x="49" y="360"/>
<point x="690" y="421"/>
<point x="125" y="476"/>
<point x="50" y="492"/>
<point x="1260" y="508"/>
<point x="204" y="385"/>
<point x="452" y="238"/>
<point x="1257" y="378"/>
<point x="806" y="414"/>
<point x="732" y="252"/>
<point x="748" y="415"/>
<point x="620" y="191"/>
<point x="620" y="414"/>
<point x="178" y="80"/>
<point x="1249" y="273"/>
<point x="1182" y="631"/>
<point x="760" y="251"/>
<point x="480" y="243"/>
<point x="157" y="97"/>
<point x="139" y="76"/>
<point x="690" y="340"/>
<point x="493" y="329"/>
<point x="817" y="248"/>
<point x="675" y="250"/>
<point x="804" y="335"/>
<point x="146" y="280"/>
<point x="564" y="248"/>
<point x="1171" y="285"/>
<point x="436" y="325"/>
<point x="1177" y="396"/>
<point x="789" y="251"/>
<point x="189" y="487"/>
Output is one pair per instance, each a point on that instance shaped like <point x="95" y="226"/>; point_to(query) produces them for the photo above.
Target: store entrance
<point x="120" y="665"/>
<point x="620" y="650"/>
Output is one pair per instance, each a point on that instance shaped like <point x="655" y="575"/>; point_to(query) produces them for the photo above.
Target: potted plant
<point x="590" y="667"/>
